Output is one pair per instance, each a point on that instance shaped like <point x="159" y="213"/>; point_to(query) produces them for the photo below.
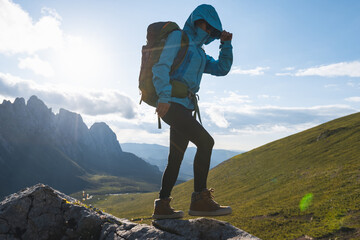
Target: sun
<point x="81" y="62"/>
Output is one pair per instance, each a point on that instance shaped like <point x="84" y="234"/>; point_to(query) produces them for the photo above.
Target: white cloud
<point x="74" y="59"/>
<point x="51" y="12"/>
<point x="237" y="127"/>
<point x="272" y="128"/>
<point x="245" y="126"/>
<point x="253" y="136"/>
<point x="353" y="84"/>
<point x="7" y="98"/>
<point x="350" y="69"/>
<point x="298" y="114"/>
<point x="234" y="98"/>
<point x="330" y="86"/>
<point x="252" y="72"/>
<point x="289" y="69"/>
<point x="284" y="74"/>
<point x="265" y="96"/>
<point x="226" y="114"/>
<point x="37" y="65"/>
<point x="142" y="136"/>
<point x="21" y="34"/>
<point x="353" y="99"/>
<point x="217" y="117"/>
<point x="216" y="111"/>
<point x="91" y="102"/>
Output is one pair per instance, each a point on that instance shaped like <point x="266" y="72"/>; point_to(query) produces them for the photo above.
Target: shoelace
<point x="211" y="197"/>
<point x="211" y="192"/>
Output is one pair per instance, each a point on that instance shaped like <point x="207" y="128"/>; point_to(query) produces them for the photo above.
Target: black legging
<point x="185" y="128"/>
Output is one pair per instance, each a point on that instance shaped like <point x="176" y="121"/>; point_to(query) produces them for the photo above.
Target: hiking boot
<point x="162" y="210"/>
<point x="203" y="204"/>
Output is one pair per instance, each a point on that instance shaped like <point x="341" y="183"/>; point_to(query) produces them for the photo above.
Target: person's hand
<point x="162" y="109"/>
<point x="226" y="36"/>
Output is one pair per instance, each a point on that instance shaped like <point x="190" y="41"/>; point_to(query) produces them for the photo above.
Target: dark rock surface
<point x="202" y="228"/>
<point x="40" y="212"/>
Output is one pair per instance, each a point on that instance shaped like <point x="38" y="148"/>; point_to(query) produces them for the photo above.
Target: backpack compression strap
<point x="182" y="52"/>
<point x="194" y="97"/>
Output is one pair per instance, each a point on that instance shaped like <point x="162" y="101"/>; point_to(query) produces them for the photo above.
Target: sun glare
<point x="81" y="63"/>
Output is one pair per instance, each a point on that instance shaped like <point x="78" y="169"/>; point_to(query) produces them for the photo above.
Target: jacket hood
<point x="209" y="14"/>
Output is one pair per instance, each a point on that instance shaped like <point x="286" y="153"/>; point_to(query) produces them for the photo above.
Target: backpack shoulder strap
<point x="182" y="51"/>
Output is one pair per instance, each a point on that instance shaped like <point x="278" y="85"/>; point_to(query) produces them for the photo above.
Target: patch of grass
<point x="265" y="186"/>
<point x="107" y="184"/>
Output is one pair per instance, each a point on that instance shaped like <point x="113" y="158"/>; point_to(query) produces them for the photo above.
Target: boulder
<point x="202" y="228"/>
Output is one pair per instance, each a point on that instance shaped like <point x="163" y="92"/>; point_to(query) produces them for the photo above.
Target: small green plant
<point x="306" y="202"/>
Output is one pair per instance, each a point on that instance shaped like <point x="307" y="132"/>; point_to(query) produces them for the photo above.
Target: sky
<point x="296" y="64"/>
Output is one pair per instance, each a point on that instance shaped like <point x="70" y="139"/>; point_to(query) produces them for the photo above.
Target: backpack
<point x="157" y="34"/>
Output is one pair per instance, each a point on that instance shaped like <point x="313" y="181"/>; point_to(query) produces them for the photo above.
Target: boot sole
<point x="219" y="212"/>
<point x="172" y="216"/>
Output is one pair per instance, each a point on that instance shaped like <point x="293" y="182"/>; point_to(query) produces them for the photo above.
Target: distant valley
<point x="157" y="155"/>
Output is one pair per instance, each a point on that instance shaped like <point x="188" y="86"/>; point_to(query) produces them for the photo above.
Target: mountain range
<point x="157" y="155"/>
<point x="37" y="145"/>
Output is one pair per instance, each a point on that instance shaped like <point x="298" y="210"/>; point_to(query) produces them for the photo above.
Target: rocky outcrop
<point x="40" y="212"/>
<point x="202" y="228"/>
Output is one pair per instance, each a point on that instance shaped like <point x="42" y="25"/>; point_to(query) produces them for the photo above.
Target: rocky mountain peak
<point x="40" y="212"/>
<point x="6" y="103"/>
<point x="35" y="104"/>
<point x="19" y="102"/>
<point x="37" y="118"/>
<point x="103" y="129"/>
<point x="66" y="116"/>
<point x="104" y="136"/>
<point x="70" y="124"/>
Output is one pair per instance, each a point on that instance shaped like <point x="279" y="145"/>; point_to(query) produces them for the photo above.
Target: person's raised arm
<point x="222" y="66"/>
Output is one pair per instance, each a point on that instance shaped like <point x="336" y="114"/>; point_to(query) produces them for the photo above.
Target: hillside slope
<point x="304" y="184"/>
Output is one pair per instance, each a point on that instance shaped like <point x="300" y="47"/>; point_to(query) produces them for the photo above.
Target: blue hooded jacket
<point x="196" y="62"/>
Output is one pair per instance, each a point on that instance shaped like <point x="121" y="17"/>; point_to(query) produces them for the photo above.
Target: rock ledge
<point x="40" y="212"/>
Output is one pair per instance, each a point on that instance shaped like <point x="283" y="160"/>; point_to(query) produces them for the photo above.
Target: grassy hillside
<point x="304" y="184"/>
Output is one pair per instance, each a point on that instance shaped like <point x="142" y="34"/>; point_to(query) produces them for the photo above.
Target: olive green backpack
<point x="157" y="34"/>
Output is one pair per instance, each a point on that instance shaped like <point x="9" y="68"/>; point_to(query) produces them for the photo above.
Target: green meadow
<point x="304" y="184"/>
<point x="107" y="184"/>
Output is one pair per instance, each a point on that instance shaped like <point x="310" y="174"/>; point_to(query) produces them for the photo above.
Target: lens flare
<point x="306" y="201"/>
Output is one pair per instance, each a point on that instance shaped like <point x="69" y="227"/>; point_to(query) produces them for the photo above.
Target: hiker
<point x="202" y="27"/>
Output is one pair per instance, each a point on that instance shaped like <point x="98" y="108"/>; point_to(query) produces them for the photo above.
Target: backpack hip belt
<point x="181" y="90"/>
